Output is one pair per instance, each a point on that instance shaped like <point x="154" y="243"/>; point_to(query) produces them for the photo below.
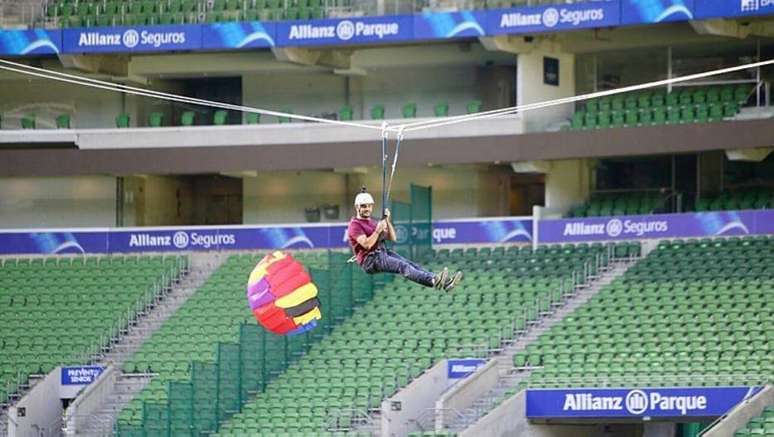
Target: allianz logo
<point x="615" y="227"/>
<point x="344" y="30"/>
<point x="464" y="368"/>
<point x="181" y="240"/>
<point x="130" y="38"/>
<point x="552" y="16"/>
<point x="754" y="5"/>
<point x="635" y="402"/>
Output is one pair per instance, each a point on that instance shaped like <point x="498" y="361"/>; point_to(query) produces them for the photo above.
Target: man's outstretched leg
<point x="390" y="262"/>
<point x="445" y="281"/>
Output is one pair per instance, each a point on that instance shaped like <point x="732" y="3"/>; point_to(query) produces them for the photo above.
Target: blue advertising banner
<point x="132" y="39"/>
<point x="333" y="235"/>
<point x="733" y="8"/>
<point x="461" y="368"/>
<point x="234" y="238"/>
<point x="505" y="230"/>
<point x="80" y="375"/>
<point x="635" y="403"/>
<point x="30" y="42"/>
<point x="656" y="11"/>
<point x="703" y="224"/>
<point x="356" y="30"/>
<point x="236" y="36"/>
<point x="553" y="18"/>
<point x="444" y="25"/>
<point x="54" y="241"/>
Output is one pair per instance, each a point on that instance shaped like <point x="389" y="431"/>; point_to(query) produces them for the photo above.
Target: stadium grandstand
<point x="180" y="181"/>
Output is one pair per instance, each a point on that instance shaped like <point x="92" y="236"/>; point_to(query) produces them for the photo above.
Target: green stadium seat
<point x="156" y="119"/>
<point x="616" y="119"/>
<point x="345" y="113"/>
<point x="187" y="118"/>
<point x="252" y="118"/>
<point x="441" y="109"/>
<point x="632" y="117"/>
<point x="577" y="120"/>
<point x="646" y="117"/>
<point x="409" y="110"/>
<point x="63" y="121"/>
<point x="603" y="119"/>
<point x="673" y="115"/>
<point x="473" y="106"/>
<point x="672" y="99"/>
<point x="122" y="120"/>
<point x="220" y="117"/>
<point x="283" y="118"/>
<point x="377" y="112"/>
<point x="28" y="121"/>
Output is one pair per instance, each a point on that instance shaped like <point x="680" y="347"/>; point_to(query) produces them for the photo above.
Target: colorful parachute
<point x="282" y="296"/>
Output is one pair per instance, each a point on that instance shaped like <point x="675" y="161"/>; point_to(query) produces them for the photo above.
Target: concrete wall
<point x="416" y="399"/>
<point x="465" y="191"/>
<point x="531" y="87"/>
<point x="89" y="108"/>
<point x="462" y="396"/>
<point x="280" y="197"/>
<point x="322" y="92"/>
<point x="509" y="420"/>
<point x="158" y="201"/>
<point x="89" y="401"/>
<point x="42" y="410"/>
<point x="567" y="183"/>
<point x="742" y="413"/>
<point x="81" y="201"/>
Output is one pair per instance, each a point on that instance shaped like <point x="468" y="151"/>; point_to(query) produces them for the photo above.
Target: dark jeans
<point x="387" y="261"/>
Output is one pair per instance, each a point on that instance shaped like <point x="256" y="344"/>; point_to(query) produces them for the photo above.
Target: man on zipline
<point x="365" y="236"/>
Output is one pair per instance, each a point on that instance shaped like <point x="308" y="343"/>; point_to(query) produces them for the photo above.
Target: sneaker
<point x="453" y="281"/>
<point x="441" y="278"/>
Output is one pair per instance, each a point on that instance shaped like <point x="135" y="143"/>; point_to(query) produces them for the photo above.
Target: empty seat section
<point x="692" y="313"/>
<point x="64" y="309"/>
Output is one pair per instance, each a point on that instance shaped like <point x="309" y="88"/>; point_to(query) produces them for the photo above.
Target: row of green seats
<point x="607" y="204"/>
<point x="718" y="94"/>
<point x="220" y="117"/>
<point x="701" y="113"/>
<point x="755" y="198"/>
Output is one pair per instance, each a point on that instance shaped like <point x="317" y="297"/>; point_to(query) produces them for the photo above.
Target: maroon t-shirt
<point x="358" y="227"/>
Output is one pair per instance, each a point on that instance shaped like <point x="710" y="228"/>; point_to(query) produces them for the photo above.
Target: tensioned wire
<point x="94" y="83"/>
<point x="399" y="128"/>
<point x="445" y="121"/>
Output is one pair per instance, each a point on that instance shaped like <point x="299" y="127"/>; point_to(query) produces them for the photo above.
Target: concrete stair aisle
<point x="508" y="380"/>
<point x="101" y="422"/>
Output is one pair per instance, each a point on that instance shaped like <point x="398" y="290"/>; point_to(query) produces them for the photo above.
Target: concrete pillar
<point x="533" y="72"/>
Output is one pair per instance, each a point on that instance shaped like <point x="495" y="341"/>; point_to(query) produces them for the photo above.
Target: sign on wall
<point x="635" y="403"/>
<point x="733" y="8"/>
<point x="83" y="375"/>
<point x="703" y="224"/>
<point x="132" y="39"/>
<point x="462" y="368"/>
<point x="311" y="236"/>
<point x="356" y="30"/>
<point x="553" y="17"/>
